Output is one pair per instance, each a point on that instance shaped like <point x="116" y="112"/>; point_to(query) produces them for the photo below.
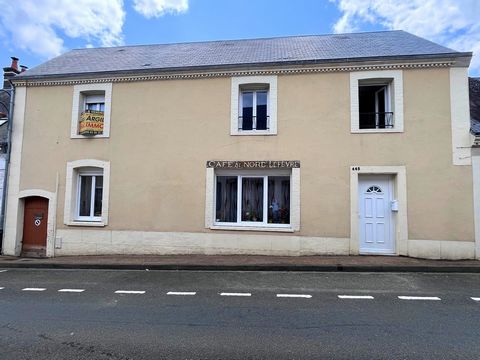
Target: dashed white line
<point x="305" y="296"/>
<point x="235" y="294"/>
<point x="3" y="271"/>
<point x="129" y="292"/>
<point x="434" y="298"/>
<point x="475" y="298"/>
<point x="366" y="297"/>
<point x="1" y="288"/>
<point x="34" y="289"/>
<point x="182" y="293"/>
<point x="71" y="290"/>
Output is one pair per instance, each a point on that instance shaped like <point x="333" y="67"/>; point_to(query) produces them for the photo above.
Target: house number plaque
<point x="263" y="164"/>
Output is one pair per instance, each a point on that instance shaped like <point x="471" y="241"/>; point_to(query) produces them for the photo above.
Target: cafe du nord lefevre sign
<point x="262" y="164"/>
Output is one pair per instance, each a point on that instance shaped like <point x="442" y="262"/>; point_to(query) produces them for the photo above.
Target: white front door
<point x="377" y="235"/>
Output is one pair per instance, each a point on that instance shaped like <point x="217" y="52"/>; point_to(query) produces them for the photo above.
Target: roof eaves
<point x="240" y="66"/>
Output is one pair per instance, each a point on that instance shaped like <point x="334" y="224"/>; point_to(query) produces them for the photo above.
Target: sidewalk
<point x="246" y="263"/>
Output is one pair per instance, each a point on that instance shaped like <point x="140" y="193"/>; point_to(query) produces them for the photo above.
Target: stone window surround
<point x="237" y="82"/>
<point x="78" y="105"/>
<point x="71" y="191"/>
<point x="397" y="76"/>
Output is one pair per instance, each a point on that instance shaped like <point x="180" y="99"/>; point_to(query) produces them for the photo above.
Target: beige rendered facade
<point x="163" y="131"/>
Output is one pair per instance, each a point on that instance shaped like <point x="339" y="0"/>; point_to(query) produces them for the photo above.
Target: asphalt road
<point x="96" y="314"/>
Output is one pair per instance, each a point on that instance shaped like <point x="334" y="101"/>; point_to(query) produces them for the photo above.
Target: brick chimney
<point x="10" y="72"/>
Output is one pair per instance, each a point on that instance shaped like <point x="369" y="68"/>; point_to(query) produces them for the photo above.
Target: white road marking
<point x="475" y="298"/>
<point x="182" y="293"/>
<point x="367" y="297"/>
<point x="129" y="292"/>
<point x="294" y="296"/>
<point x="235" y="294"/>
<point x="1" y="288"/>
<point x="34" y="289"/>
<point x="419" y="298"/>
<point x="72" y="290"/>
<point x="3" y="270"/>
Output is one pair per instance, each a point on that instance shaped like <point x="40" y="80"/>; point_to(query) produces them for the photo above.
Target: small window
<point x="253" y="200"/>
<point x="375" y="104"/>
<point x="95" y="103"/>
<point x="374" y="189"/>
<point x="92" y="116"/>
<point x="91" y="111"/>
<point x="89" y="198"/>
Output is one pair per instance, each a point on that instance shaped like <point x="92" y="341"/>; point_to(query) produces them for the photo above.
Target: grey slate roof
<point x="474" y="86"/>
<point x="4" y="103"/>
<point x="201" y="55"/>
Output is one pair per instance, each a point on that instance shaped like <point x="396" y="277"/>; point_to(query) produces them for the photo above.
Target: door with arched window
<point x="35" y="220"/>
<point x="376" y="223"/>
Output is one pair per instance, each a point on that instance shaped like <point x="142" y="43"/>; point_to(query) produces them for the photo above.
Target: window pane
<point x="247" y="111"/>
<point x="85" y="195"/>
<point x="226" y="200"/>
<point x="97" y="207"/>
<point x="95" y="106"/>
<point x="279" y="199"/>
<point x="252" y="199"/>
<point x="262" y="123"/>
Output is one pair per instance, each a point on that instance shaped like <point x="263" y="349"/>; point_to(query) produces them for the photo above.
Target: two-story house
<point x="335" y="144"/>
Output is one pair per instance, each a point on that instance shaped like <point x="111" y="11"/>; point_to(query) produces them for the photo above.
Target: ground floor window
<point x="90" y="193"/>
<point x="252" y="200"/>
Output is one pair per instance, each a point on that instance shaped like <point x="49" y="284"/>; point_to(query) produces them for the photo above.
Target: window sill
<point x="253" y="133"/>
<point x="87" y="223"/>
<point x="76" y="136"/>
<point x="375" y="131"/>
<point x="253" y="228"/>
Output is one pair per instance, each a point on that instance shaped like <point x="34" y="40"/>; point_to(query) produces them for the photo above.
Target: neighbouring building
<point x="335" y="144"/>
<point x="6" y="94"/>
<point x="474" y="87"/>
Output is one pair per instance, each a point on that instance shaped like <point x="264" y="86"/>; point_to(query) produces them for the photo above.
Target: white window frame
<point x="210" y="204"/>
<point x="74" y="170"/>
<point x="394" y="92"/>
<point x="239" y="85"/>
<point x="254" y="108"/>
<point x="93" y="175"/>
<point x="80" y="93"/>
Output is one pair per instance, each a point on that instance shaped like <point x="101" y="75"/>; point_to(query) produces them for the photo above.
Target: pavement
<point x="129" y="314"/>
<point x="246" y="263"/>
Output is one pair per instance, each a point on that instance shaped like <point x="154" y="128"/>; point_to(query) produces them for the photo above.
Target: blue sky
<point x="36" y="30"/>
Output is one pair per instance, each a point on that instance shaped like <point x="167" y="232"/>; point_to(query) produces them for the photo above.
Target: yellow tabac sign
<point x="91" y="122"/>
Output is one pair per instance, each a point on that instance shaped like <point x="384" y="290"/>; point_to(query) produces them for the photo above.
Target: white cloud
<point x="452" y="23"/>
<point x="38" y="25"/>
<point x="157" y="8"/>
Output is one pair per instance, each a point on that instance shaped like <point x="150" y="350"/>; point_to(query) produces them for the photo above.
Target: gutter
<point x="7" y="160"/>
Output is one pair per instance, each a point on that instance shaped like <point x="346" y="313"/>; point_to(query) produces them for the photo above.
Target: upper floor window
<point x="376" y="101"/>
<point x="254" y="105"/>
<point x="95" y="102"/>
<point x="91" y="110"/>
<point x="375" y="106"/>
<point x="253" y="110"/>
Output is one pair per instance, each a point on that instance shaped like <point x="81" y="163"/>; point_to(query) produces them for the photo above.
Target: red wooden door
<point x="35" y="226"/>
